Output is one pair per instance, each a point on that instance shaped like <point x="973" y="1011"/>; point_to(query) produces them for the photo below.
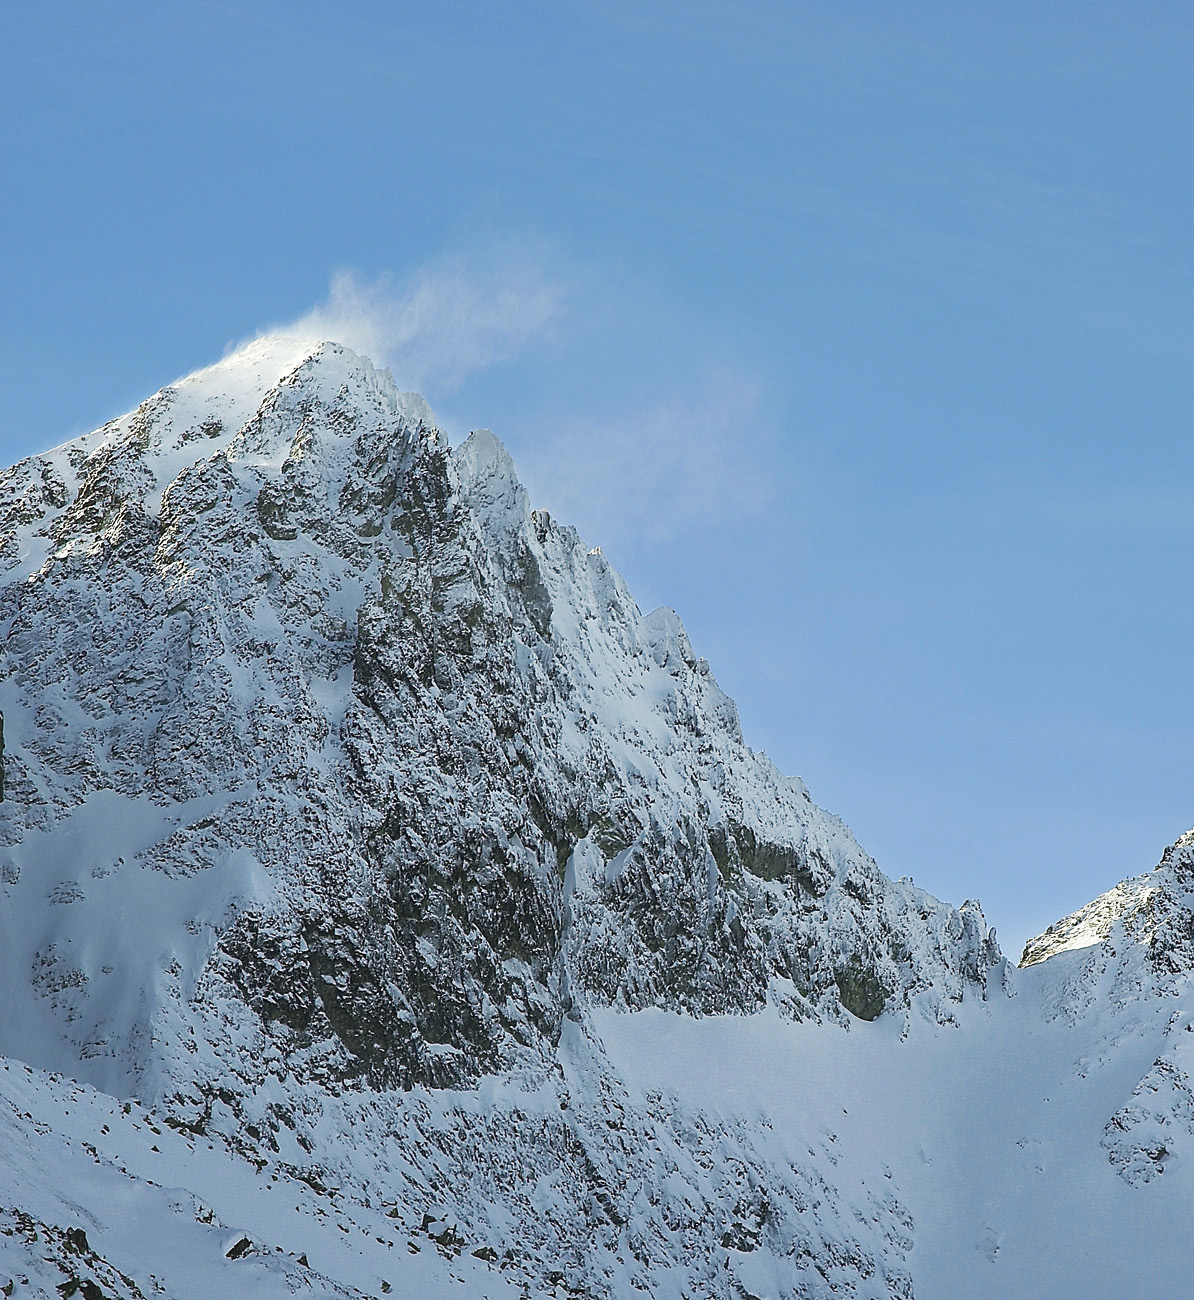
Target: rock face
<point x="345" y="801"/>
<point x="429" y="774"/>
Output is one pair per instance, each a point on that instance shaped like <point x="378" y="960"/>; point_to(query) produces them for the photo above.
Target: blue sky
<point x="859" y="333"/>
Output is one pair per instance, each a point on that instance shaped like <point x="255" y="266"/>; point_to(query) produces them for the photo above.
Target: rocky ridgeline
<point x="1132" y="950"/>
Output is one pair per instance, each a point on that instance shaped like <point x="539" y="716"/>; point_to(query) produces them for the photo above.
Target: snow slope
<point x="426" y="897"/>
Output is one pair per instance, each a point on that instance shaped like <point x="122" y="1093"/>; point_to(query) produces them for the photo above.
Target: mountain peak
<point x="268" y="557"/>
<point x="344" y="794"/>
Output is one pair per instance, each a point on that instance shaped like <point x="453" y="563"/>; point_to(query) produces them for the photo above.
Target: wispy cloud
<point x="688" y="461"/>
<point x="445" y="322"/>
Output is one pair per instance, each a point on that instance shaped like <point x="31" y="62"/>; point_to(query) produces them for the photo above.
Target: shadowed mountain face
<point x="343" y="793"/>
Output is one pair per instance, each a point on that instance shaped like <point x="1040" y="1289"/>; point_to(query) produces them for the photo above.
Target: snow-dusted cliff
<point x="358" y="824"/>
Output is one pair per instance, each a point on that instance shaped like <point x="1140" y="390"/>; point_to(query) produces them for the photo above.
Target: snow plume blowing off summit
<point x="645" y="468"/>
<point x="446" y="321"/>
<point x="452" y="941"/>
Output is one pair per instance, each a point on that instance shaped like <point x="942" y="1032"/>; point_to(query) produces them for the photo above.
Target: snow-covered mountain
<point x="389" y="905"/>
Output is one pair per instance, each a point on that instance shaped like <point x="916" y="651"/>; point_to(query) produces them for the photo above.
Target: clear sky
<point x="860" y="333"/>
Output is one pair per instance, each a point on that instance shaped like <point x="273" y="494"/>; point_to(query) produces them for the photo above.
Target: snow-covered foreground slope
<point x="426" y="896"/>
<point x="955" y="1161"/>
<point x="97" y="1191"/>
<point x="990" y="1135"/>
